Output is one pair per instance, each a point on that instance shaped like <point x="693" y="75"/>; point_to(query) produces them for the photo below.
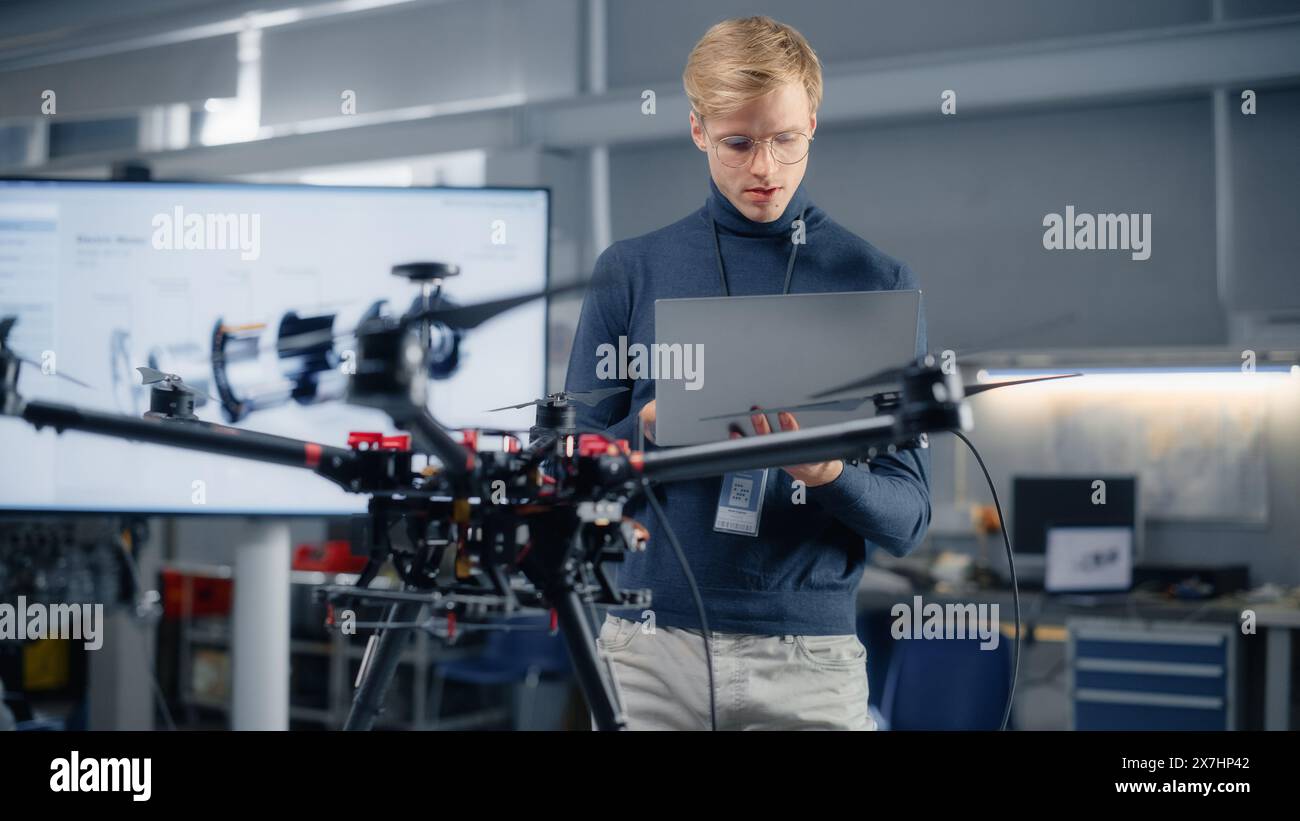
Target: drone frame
<point x="574" y="525"/>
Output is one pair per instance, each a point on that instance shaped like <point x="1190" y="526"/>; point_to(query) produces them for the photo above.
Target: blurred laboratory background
<point x="949" y="131"/>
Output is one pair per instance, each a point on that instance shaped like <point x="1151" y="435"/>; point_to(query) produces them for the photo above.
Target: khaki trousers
<point x="761" y="682"/>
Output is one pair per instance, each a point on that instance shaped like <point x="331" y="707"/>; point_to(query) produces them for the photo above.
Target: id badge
<point x="740" y="504"/>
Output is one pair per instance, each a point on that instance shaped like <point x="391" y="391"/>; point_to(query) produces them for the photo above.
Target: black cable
<point x="722" y="273"/>
<point x="640" y="439"/>
<point x="695" y="594"/>
<point x="1015" y="585"/>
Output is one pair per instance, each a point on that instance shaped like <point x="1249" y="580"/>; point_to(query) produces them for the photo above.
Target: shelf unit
<point x="407" y="702"/>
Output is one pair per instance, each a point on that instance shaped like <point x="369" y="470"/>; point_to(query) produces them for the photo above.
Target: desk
<point x="1275" y="620"/>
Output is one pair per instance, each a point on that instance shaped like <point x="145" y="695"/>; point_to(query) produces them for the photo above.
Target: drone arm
<point x="931" y="402"/>
<point x="845" y="439"/>
<point x="429" y="435"/>
<point x="539" y="449"/>
<point x="331" y="462"/>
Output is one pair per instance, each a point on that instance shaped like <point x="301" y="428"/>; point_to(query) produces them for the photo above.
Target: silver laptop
<point x="722" y="355"/>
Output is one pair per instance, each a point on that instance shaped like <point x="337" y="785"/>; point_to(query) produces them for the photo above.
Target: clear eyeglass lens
<point x="788" y="148"/>
<point x="735" y="151"/>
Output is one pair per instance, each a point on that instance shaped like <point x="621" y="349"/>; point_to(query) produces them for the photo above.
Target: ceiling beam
<point x="1132" y="65"/>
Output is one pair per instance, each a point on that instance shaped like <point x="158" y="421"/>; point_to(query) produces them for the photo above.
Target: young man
<point x="780" y="605"/>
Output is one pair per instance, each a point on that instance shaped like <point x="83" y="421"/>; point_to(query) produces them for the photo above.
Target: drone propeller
<point x="890" y="376"/>
<point x="6" y="325"/>
<point x="844" y="405"/>
<point x="464" y="317"/>
<point x="494" y="431"/>
<point x="589" y="398"/>
<point x="457" y="317"/>
<point x="853" y="403"/>
<point x="988" y="386"/>
<point x="169" y="382"/>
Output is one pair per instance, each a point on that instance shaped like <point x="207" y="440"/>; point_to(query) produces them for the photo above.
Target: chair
<point x="946" y="684"/>
<point x="522" y="654"/>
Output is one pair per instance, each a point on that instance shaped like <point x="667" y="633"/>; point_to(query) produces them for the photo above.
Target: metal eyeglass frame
<point x="771" y="146"/>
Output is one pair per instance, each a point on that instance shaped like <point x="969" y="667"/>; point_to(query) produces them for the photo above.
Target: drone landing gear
<point x="596" y="680"/>
<point x="379" y="664"/>
<point x="565" y="563"/>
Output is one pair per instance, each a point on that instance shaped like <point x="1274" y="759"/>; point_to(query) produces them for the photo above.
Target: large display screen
<point x="108" y="276"/>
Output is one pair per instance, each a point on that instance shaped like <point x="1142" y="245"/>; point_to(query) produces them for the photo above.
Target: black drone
<point x="477" y="534"/>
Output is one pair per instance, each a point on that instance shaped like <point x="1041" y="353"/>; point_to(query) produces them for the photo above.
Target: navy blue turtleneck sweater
<point x="800" y="575"/>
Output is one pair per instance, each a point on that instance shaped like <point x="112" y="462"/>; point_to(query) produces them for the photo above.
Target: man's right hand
<point x="648" y="420"/>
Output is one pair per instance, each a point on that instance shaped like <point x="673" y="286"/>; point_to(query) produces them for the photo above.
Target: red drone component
<point x="511" y="444"/>
<point x="592" y="444"/>
<point x="328" y="557"/>
<point x="555" y="620"/>
<point x="469" y="438"/>
<point x="373" y="440"/>
<point x="357" y="438"/>
<point x="398" y="441"/>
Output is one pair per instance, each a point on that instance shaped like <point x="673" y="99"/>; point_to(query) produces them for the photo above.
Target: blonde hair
<point x="739" y="60"/>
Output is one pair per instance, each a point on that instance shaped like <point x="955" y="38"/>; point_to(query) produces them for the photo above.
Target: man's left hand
<point x="813" y="474"/>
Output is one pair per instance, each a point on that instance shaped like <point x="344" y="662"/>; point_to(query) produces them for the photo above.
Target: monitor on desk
<point x="1076" y="534"/>
<point x="1088" y="559"/>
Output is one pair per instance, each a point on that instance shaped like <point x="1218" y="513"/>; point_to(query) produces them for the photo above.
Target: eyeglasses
<point x="787" y="148"/>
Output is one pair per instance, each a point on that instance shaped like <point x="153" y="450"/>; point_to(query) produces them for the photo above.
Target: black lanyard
<point x="789" y="268"/>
